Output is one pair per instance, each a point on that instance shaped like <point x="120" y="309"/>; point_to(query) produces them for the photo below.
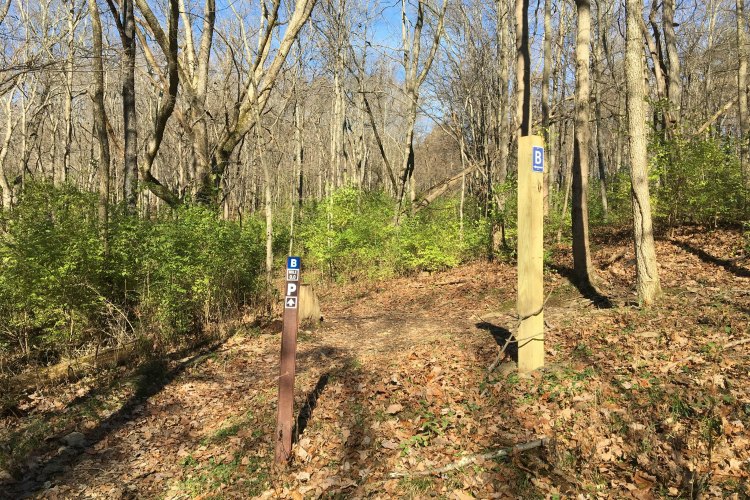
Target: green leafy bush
<point x="697" y="180"/>
<point x="51" y="269"/>
<point x="352" y="234"/>
<point x="164" y="278"/>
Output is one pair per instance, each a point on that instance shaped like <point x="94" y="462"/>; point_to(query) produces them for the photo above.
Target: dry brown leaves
<point x="639" y="403"/>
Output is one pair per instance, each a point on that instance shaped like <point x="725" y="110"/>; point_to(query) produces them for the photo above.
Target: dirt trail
<point x="395" y="380"/>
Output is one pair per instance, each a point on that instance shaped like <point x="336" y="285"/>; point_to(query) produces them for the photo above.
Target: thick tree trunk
<point x="580" y="213"/>
<point x="648" y="285"/>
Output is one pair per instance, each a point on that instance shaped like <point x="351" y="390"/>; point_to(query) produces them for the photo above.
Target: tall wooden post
<point x="530" y="304"/>
<point x="284" y="422"/>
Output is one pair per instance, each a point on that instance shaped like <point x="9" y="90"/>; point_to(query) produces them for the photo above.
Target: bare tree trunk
<point x="523" y="69"/>
<point x="414" y="77"/>
<point x="648" y="284"/>
<point x="580" y="213"/>
<point x="164" y="110"/>
<point x="126" y="28"/>
<point x="674" y="85"/>
<point x="708" y="85"/>
<point x="546" y="70"/>
<point x="68" y="112"/>
<point x="100" y="120"/>
<point x="5" y="184"/>
<point x="742" y="92"/>
<point x="504" y="130"/>
<point x="599" y="65"/>
<point x="299" y="151"/>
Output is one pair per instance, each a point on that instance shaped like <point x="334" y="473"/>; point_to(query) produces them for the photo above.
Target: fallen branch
<point x="469" y="459"/>
<point x="736" y="343"/>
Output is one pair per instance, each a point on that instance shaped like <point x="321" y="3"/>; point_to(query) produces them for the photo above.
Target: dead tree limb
<point x="469" y="459"/>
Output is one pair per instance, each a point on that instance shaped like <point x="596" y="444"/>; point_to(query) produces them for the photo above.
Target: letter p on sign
<point x="537" y="159"/>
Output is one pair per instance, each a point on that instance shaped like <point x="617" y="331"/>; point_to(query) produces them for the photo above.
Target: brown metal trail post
<point x="285" y="419"/>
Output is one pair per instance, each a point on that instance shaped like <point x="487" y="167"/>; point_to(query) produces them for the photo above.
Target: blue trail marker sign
<point x="285" y="420"/>
<point x="537" y="159"/>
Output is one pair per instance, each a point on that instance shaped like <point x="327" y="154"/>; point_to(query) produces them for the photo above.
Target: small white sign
<point x="290" y="303"/>
<point x="292" y="275"/>
<point x="291" y="289"/>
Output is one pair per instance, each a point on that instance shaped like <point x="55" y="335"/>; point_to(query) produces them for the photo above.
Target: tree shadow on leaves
<point x="151" y="378"/>
<point x="501" y="335"/>
<point x="588" y="290"/>
<point x="728" y="265"/>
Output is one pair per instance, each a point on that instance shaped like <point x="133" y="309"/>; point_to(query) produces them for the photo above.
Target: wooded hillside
<point x="159" y="159"/>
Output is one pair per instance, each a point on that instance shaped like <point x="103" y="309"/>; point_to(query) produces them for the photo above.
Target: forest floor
<point x="641" y="403"/>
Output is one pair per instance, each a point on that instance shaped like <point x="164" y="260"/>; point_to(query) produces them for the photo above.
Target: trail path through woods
<point x="638" y="403"/>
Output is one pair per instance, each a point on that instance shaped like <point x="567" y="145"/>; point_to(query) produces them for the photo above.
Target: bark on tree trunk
<point x="523" y="69"/>
<point x="100" y="120"/>
<point x="742" y="92"/>
<point x="674" y="85"/>
<point x="68" y="112"/>
<point x="546" y="70"/>
<point x="599" y="65"/>
<point x="647" y="273"/>
<point x="126" y="28"/>
<point x="580" y="213"/>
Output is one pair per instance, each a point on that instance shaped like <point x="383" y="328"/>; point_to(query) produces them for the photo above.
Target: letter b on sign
<point x="292" y="262"/>
<point x="537" y="159"/>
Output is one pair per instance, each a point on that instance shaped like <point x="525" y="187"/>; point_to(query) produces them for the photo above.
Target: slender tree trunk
<point x="742" y="92"/>
<point x="580" y="213"/>
<point x="68" y="112"/>
<point x="523" y="69"/>
<point x="647" y="272"/>
<point x="5" y="184"/>
<point x="299" y="152"/>
<point x="674" y="85"/>
<point x="546" y="70"/>
<point x="100" y="120"/>
<point x="599" y="65"/>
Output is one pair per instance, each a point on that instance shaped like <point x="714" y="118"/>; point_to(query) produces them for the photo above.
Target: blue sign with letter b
<point x="537" y="159"/>
<point x="293" y="262"/>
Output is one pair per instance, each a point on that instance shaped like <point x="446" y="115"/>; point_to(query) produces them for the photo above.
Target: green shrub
<point x="352" y="234"/>
<point x="349" y="233"/>
<point x="697" y="180"/>
<point x="51" y="270"/>
<point x="164" y="278"/>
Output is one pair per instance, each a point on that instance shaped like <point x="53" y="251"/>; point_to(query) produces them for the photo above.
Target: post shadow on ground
<point x="306" y="411"/>
<point x="153" y="378"/>
<point x="501" y="336"/>
<point x="727" y="264"/>
<point x="588" y="290"/>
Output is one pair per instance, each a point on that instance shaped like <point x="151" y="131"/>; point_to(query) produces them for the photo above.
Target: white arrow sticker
<point x="290" y="303"/>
